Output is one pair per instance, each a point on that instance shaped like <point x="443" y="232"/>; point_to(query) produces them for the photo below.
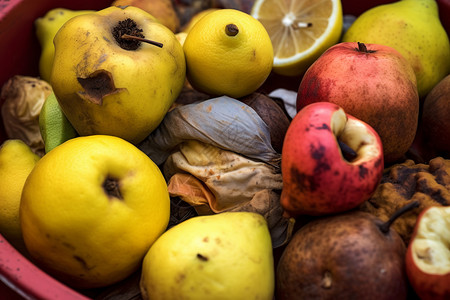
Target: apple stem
<point x="132" y="37"/>
<point x="348" y="153"/>
<point x="362" y="48"/>
<point x="231" y="30"/>
<point x="385" y="226"/>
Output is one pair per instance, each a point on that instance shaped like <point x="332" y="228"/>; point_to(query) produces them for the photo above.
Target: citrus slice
<point x="300" y="30"/>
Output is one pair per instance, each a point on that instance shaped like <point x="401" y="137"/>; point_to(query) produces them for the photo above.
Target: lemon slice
<point x="300" y="30"/>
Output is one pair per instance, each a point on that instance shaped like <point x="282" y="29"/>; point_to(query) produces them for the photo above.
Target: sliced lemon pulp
<point x="300" y="30"/>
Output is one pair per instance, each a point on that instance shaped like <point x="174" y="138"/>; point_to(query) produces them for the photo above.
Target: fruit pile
<point x="253" y="149"/>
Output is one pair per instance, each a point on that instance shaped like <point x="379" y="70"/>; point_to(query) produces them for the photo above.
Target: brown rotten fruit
<point x="352" y="255"/>
<point x="428" y="254"/>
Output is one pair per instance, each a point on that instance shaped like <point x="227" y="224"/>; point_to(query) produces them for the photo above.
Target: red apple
<point x="317" y="178"/>
<point x="428" y="254"/>
<point x="373" y="83"/>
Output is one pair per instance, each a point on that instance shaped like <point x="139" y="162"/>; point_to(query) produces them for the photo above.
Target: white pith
<point x="355" y="134"/>
<point x="431" y="246"/>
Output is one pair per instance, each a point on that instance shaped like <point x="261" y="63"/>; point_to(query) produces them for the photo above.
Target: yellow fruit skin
<point x="77" y="231"/>
<point x="221" y="256"/>
<point x="148" y="80"/>
<point x="218" y="64"/>
<point x="413" y="28"/>
<point x="46" y="28"/>
<point x="16" y="162"/>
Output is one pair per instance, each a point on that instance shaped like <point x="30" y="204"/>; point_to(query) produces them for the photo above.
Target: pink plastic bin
<point x="19" y="52"/>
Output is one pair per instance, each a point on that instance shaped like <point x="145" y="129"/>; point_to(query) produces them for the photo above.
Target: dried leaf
<point x="22" y="98"/>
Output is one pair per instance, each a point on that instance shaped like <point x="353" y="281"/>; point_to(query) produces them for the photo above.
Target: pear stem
<point x="385" y="226"/>
<point x="132" y="37"/>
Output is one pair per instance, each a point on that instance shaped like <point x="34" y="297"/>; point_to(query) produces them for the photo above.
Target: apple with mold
<point x="371" y="82"/>
<point x="428" y="254"/>
<point x="331" y="162"/>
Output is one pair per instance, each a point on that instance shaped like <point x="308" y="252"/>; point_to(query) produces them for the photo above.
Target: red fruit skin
<point x="427" y="286"/>
<point x="379" y="88"/>
<point x="317" y="180"/>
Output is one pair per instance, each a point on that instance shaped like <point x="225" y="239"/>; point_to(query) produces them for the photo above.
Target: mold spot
<point x="323" y="127"/>
<point x="363" y="171"/>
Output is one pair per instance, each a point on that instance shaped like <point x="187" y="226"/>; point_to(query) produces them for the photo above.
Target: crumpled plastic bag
<point x="214" y="180"/>
<point x="22" y="98"/>
<point x="223" y="122"/>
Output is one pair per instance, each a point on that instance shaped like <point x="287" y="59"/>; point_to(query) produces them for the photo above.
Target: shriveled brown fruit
<point x="345" y="256"/>
<point x="272" y="114"/>
<point x="163" y="10"/>
<point x="406" y="182"/>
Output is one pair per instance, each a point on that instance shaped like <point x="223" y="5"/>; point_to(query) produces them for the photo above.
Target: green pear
<point x="54" y="126"/>
<point x="46" y="28"/>
<point x="413" y="28"/>
<point x="222" y="256"/>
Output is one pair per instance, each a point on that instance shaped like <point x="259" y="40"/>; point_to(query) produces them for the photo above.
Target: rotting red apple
<point x="428" y="254"/>
<point x="371" y="82"/>
<point x="318" y="177"/>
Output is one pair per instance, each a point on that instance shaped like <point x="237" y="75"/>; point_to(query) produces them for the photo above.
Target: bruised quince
<point x="117" y="72"/>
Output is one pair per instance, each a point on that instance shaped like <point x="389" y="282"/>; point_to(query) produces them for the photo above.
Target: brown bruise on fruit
<point x="306" y="182"/>
<point x="202" y="257"/>
<point x="96" y="86"/>
<point x="407" y="182"/>
<point x="82" y="262"/>
<point x="111" y="186"/>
